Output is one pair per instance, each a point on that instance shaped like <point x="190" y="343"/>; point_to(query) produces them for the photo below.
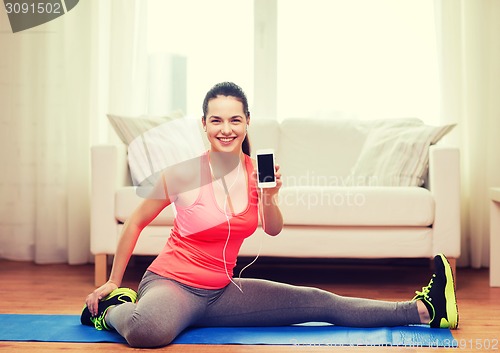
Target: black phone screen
<point x="265" y="167"/>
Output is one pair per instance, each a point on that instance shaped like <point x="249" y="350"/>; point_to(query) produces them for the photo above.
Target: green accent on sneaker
<point x="451" y="301"/>
<point x="439" y="296"/>
<point x="100" y="322"/>
<point x="116" y="297"/>
<point x="445" y="324"/>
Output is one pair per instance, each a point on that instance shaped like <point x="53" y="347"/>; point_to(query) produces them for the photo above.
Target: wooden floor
<point x="61" y="289"/>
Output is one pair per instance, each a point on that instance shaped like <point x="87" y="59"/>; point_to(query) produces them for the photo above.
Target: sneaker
<point x="116" y="297"/>
<point x="439" y="296"/>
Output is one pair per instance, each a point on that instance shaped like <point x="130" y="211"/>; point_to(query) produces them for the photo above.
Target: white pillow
<point x="128" y="128"/>
<point x="396" y="155"/>
<point x="165" y="145"/>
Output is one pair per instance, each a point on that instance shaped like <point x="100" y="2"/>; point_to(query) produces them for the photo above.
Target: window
<point x="356" y="58"/>
<point x="362" y="58"/>
<point x="215" y="37"/>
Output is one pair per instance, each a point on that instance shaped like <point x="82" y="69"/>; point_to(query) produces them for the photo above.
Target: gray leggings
<point x="166" y="307"/>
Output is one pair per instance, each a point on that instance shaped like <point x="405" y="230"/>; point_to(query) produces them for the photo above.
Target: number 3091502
<point x="39" y="8"/>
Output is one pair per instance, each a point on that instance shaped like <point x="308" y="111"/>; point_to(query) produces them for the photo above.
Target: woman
<point x="190" y="282"/>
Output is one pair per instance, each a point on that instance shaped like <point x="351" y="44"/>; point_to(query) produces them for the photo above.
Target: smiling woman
<point x="226" y="122"/>
<point x="190" y="282"/>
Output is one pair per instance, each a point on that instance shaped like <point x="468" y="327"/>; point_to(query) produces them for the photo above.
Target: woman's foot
<point x="439" y="296"/>
<point x="116" y="297"/>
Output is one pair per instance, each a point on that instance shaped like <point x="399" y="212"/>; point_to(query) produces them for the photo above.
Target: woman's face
<point x="225" y="124"/>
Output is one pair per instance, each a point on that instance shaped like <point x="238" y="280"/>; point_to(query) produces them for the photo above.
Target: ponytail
<point x="246" y="146"/>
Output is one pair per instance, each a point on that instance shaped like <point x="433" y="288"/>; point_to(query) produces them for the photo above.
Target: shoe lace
<point x="99" y="322"/>
<point x="425" y="290"/>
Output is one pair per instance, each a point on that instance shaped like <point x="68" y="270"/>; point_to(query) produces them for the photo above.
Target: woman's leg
<point x="266" y="303"/>
<point x="163" y="310"/>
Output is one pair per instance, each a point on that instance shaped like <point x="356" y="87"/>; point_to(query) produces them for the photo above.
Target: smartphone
<point x="265" y="168"/>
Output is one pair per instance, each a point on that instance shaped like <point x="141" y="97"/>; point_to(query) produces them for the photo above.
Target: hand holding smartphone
<point x="265" y="168"/>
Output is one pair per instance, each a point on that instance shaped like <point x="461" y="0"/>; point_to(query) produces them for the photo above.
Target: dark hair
<point x="229" y="89"/>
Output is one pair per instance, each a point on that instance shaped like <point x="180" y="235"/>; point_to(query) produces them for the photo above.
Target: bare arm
<point x="133" y="227"/>
<point x="140" y="218"/>
<point x="272" y="220"/>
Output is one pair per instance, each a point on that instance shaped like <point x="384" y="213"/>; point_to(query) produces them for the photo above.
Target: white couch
<point x="327" y="212"/>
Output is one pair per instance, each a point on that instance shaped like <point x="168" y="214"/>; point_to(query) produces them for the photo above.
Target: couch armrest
<point x="109" y="170"/>
<point x="444" y="184"/>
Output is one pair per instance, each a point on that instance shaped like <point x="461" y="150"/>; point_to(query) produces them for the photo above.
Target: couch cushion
<point x="357" y="206"/>
<point x="126" y="201"/>
<point x="326" y="206"/>
<point x="314" y="148"/>
<point x="128" y="128"/>
<point x="397" y="154"/>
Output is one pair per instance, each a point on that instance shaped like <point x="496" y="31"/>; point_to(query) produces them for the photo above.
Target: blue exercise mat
<point x="67" y="328"/>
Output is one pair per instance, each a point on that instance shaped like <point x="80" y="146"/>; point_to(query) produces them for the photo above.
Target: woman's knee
<point x="147" y="335"/>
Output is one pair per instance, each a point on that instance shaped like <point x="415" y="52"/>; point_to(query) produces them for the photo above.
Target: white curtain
<point x="128" y="58"/>
<point x="469" y="50"/>
<point x="55" y="84"/>
<point x="44" y="136"/>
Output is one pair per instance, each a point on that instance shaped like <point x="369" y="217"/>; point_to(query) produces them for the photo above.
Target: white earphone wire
<point x="229" y="228"/>
<point x="227" y="217"/>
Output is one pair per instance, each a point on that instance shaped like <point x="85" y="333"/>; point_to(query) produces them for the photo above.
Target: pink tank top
<point x="193" y="254"/>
